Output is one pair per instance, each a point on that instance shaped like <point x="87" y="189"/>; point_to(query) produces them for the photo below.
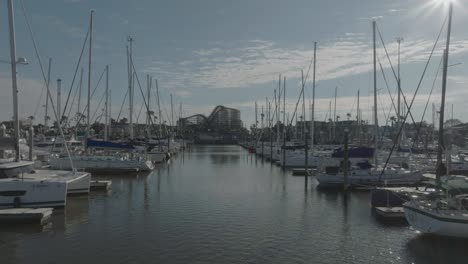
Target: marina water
<point x="220" y="204"/>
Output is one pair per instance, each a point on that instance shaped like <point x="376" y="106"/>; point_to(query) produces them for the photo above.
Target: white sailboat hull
<point x="101" y="164"/>
<point x="371" y="179"/>
<point x="432" y="222"/>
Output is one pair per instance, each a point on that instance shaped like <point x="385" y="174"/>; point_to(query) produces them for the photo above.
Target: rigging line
<point x="121" y="106"/>
<point x="92" y="94"/>
<point x="99" y="104"/>
<point x="73" y="102"/>
<point x="393" y="70"/>
<point x="386" y="117"/>
<point x="143" y="96"/>
<point x="139" y="113"/>
<point x="427" y="103"/>
<point x="300" y="95"/>
<point x="39" y="102"/>
<point x="352" y="107"/>
<point x="74" y="75"/>
<point x="386" y="85"/>
<point x="36" y="51"/>
<point x="412" y="100"/>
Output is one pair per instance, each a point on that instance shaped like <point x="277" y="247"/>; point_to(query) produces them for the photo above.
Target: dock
<point x="390" y="212"/>
<point x="302" y="172"/>
<point x="30" y="215"/>
<point x="97" y="185"/>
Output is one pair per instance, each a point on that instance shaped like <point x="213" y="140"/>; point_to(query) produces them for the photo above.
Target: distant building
<point x="221" y="119"/>
<point x="222" y="126"/>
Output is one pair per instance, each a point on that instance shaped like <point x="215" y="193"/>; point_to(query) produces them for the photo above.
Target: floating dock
<point x="100" y="185"/>
<point x="390" y="212"/>
<point x="30" y="215"/>
<point x="302" y="172"/>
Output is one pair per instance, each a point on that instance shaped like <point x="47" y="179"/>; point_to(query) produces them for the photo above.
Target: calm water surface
<point x="219" y="204"/>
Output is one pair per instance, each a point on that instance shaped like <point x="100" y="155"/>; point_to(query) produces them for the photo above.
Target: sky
<point x="213" y="52"/>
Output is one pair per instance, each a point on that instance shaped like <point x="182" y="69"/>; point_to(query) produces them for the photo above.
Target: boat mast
<point x="89" y="72"/>
<point x="106" y="115"/>
<point x="172" y="117"/>
<point x="441" y="170"/>
<point x="11" y="20"/>
<point x="59" y="101"/>
<point x="110" y="114"/>
<point x="312" y="125"/>
<point x="159" y="114"/>
<point x="256" y="122"/>
<point x="46" y="117"/>
<point x="148" y="96"/>
<point x="303" y="106"/>
<point x="278" y="111"/>
<point x="399" y="88"/>
<point x="79" y="95"/>
<point x="376" y="124"/>
<point x="331" y="120"/>
<point x="130" y="86"/>
<point x="284" y="122"/>
<point x="358" y="117"/>
<point x="334" y="115"/>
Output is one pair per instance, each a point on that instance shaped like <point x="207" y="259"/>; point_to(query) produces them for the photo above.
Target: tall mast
<point x="440" y="171"/>
<point x="148" y="96"/>
<point x="284" y="106"/>
<point x="399" y="87"/>
<point x="312" y="125"/>
<point x="376" y="124"/>
<point x="278" y="112"/>
<point x="331" y="120"/>
<point x="159" y="114"/>
<point x="179" y="124"/>
<point x="172" y="115"/>
<point x="79" y="94"/>
<point x="106" y="115"/>
<point x="110" y="114"/>
<point x="59" y="100"/>
<point x="358" y="118"/>
<point x="89" y="72"/>
<point x="46" y="117"/>
<point x="303" y="105"/>
<point x="11" y="20"/>
<point x="130" y="84"/>
<point x="256" y="116"/>
<point x="334" y="115"/>
<point x="284" y="122"/>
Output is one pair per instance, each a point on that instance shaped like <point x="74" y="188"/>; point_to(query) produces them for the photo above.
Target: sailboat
<point x="100" y="161"/>
<point x="445" y="212"/>
<point x="158" y="153"/>
<point x="20" y="185"/>
<point x="364" y="174"/>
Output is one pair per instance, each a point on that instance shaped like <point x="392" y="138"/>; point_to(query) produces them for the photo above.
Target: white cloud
<point x="183" y="93"/>
<point x="260" y="62"/>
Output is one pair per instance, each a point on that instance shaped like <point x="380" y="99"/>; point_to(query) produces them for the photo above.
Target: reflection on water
<point x="431" y="249"/>
<point x="220" y="204"/>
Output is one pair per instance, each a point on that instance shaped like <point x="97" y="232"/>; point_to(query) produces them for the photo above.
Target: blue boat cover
<point x="355" y="152"/>
<point x="91" y="143"/>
